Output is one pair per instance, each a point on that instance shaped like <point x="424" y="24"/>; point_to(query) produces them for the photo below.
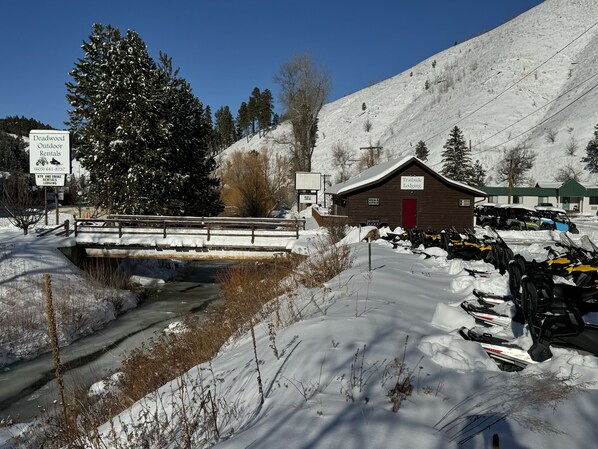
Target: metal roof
<point x="382" y="171"/>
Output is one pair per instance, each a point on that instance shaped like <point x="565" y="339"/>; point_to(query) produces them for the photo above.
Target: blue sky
<point x="226" y="48"/>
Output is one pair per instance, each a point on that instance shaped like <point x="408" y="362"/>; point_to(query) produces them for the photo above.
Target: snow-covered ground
<point x="331" y="357"/>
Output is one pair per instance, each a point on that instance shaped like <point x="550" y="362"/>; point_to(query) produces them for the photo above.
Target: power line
<point x="512" y="85"/>
<point x="543" y="121"/>
<point x="537" y="124"/>
<point x="533" y="112"/>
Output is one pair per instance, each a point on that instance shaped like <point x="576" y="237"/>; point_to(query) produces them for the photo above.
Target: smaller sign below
<point x="412" y="183"/>
<point x="50" y="180"/>
<point x="464" y="203"/>
<point x="373" y="201"/>
<point x="308" y="199"/>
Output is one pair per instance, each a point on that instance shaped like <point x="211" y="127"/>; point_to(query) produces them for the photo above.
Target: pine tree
<point x="456" y="162"/>
<point x="253" y="109"/>
<point x="243" y="120"/>
<point x="139" y="130"/>
<point x="265" y="109"/>
<point x="591" y="158"/>
<point x="225" y="127"/>
<point x="478" y="175"/>
<point x="421" y="151"/>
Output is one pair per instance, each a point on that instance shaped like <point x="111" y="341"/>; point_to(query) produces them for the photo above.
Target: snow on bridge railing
<point x="173" y="225"/>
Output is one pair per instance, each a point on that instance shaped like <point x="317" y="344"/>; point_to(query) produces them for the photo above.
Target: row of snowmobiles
<point x="466" y="246"/>
<point x="554" y="299"/>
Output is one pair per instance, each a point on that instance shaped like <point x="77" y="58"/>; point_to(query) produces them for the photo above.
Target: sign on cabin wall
<point x="412" y="183"/>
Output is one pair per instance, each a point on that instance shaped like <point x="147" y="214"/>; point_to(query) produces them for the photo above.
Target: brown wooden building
<point x="405" y="193"/>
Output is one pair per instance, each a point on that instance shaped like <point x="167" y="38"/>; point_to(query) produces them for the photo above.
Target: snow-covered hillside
<point x="532" y="79"/>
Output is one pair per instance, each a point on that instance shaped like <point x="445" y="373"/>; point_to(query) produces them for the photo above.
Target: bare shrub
<point x="572" y="146"/>
<point x="337" y="230"/>
<point x="325" y="262"/>
<point x="104" y="273"/>
<point x="551" y="135"/>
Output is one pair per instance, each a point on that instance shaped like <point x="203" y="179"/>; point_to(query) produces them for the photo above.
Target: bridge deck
<point x="186" y="237"/>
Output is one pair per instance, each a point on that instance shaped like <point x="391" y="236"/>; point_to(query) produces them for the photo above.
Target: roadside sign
<point x="308" y="198"/>
<point x="49" y="152"/>
<point x="50" y="180"/>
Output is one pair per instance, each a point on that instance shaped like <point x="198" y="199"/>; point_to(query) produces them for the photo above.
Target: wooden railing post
<point x="164" y="228"/>
<point x="208" y="232"/>
<point x="75" y="227"/>
<point x="120" y="229"/>
<point x="252" y="233"/>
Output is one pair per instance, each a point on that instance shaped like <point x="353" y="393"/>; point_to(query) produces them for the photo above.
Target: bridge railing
<point x="173" y="225"/>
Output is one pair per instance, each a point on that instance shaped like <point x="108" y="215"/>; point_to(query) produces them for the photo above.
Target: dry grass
<point x="245" y="289"/>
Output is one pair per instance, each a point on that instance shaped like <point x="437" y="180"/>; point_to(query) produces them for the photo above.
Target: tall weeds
<point x="245" y="289"/>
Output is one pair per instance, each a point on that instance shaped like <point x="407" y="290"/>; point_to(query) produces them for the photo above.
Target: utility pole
<point x="371" y="160"/>
<point x="325" y="178"/>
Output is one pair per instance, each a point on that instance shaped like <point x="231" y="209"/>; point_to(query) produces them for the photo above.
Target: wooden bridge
<point x="186" y="237"/>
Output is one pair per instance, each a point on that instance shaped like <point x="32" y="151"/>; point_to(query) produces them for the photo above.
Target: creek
<point x="29" y="388"/>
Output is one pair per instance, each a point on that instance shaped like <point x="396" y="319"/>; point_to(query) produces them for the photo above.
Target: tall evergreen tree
<point x="265" y="110"/>
<point x="253" y="109"/>
<point x="140" y="132"/>
<point x="456" y="160"/>
<point x="225" y="127"/>
<point x="421" y="151"/>
<point x="591" y="158"/>
<point x="243" y="120"/>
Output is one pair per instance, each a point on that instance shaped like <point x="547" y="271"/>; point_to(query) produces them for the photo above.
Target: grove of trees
<point x="139" y="130"/>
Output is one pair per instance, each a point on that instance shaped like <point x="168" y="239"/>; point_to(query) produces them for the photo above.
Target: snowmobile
<point x="561" y="322"/>
<point x="554" y="317"/>
<point x="509" y="356"/>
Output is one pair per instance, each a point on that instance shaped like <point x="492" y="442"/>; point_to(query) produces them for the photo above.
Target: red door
<point x="409" y="214"/>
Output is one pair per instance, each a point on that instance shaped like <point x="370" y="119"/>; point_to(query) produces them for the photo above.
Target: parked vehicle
<point x="518" y="217"/>
<point x="557" y="219"/>
<point x="486" y="214"/>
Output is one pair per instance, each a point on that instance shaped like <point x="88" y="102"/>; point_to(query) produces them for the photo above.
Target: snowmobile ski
<point x="486" y="315"/>
<point x="491" y="298"/>
<point x="499" y="349"/>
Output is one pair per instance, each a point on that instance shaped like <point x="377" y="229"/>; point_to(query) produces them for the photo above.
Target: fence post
<point x="66" y="227"/>
<point x="252" y="233"/>
<point x="120" y="229"/>
<point x="164" y="228"/>
<point x="75" y="227"/>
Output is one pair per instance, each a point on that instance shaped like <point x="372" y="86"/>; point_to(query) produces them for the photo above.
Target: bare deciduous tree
<point x="254" y="183"/>
<point x="515" y="163"/>
<point x="19" y="202"/>
<point x="569" y="171"/>
<point x="303" y="91"/>
<point x="342" y="155"/>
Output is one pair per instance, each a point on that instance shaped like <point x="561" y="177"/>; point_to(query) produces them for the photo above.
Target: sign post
<point x="49" y="160"/>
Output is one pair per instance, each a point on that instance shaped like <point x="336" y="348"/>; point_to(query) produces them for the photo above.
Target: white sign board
<point x="50" y="180"/>
<point x="307" y="181"/>
<point x="308" y="199"/>
<point x="49" y="152"/>
<point x="412" y="183"/>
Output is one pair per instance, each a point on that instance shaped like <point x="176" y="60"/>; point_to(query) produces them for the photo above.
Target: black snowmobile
<point x="554" y="316"/>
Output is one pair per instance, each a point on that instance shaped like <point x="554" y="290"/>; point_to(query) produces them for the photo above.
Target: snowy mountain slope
<point x="530" y="78"/>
